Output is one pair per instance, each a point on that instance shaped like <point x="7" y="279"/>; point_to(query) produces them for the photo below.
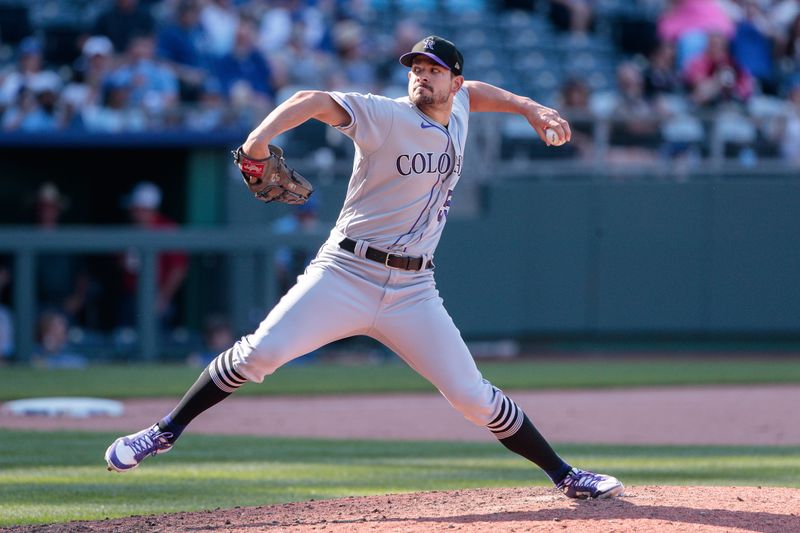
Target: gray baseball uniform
<point x="374" y="275"/>
<point x="404" y="171"/>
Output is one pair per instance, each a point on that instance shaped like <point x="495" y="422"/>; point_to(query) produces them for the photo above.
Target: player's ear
<point x="456" y="83"/>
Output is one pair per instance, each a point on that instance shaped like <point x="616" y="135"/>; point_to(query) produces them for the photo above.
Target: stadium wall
<point x="592" y="258"/>
<point x="565" y="257"/>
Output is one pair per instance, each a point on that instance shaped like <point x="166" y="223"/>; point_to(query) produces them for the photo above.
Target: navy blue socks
<point x="530" y="444"/>
<point x="203" y="394"/>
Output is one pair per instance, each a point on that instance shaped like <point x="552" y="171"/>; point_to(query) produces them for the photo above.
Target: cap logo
<point x="458" y="67"/>
<point x="429" y="43"/>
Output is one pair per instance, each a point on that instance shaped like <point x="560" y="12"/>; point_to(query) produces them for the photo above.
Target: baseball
<point x="553" y="138"/>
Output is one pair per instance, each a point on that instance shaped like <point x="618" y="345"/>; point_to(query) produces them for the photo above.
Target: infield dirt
<point x="721" y="415"/>
<point x="642" y="509"/>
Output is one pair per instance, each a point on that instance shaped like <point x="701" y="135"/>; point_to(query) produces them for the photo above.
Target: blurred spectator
<point x="53" y="349"/>
<point x="35" y="109"/>
<point x="62" y="279"/>
<point x="143" y="208"/>
<point x="50" y="204"/>
<point x="299" y="64"/>
<point x="687" y="23"/>
<point x="290" y="262"/>
<point x="86" y="89"/>
<point x="634" y="134"/>
<point x="220" y="20"/>
<point x="123" y="21"/>
<point x="287" y="16"/>
<point x="114" y="114"/>
<point x="574" y="16"/>
<point x="753" y="46"/>
<point x="245" y="75"/>
<point x="406" y="34"/>
<point x="574" y="106"/>
<point x="212" y="112"/>
<point x="217" y="337"/>
<point x="6" y="320"/>
<point x="29" y="94"/>
<point x="149" y="84"/>
<point x="352" y="48"/>
<point x="29" y="65"/>
<point x="661" y="74"/>
<point x="182" y="43"/>
<point x="276" y="26"/>
<point x="681" y="132"/>
<point x="714" y="77"/>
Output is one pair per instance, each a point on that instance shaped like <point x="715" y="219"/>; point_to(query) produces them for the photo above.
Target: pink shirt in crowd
<point x="687" y="15"/>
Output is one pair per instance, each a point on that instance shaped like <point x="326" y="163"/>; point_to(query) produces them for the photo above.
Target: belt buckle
<point x="388" y="256"/>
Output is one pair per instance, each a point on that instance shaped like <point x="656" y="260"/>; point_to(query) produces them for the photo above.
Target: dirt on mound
<point x="642" y="509"/>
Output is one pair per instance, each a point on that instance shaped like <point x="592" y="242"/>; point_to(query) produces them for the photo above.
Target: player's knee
<point x="262" y="358"/>
<point x="474" y="402"/>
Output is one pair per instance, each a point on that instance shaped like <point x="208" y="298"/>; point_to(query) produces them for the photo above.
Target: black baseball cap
<point x="440" y="50"/>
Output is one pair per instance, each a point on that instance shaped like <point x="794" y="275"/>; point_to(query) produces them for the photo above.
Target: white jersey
<point x="404" y="171"/>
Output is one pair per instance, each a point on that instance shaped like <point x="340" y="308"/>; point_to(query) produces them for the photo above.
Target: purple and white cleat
<point x="583" y="485"/>
<point x="126" y="453"/>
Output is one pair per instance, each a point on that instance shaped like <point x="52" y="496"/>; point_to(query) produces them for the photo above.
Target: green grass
<point x="164" y="380"/>
<point x="56" y="477"/>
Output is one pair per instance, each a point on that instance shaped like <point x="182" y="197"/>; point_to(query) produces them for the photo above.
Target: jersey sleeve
<point x="370" y="118"/>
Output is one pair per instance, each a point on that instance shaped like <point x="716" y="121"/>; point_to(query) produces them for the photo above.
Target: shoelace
<point x="589" y="481"/>
<point x="581" y="478"/>
<point x="149" y="441"/>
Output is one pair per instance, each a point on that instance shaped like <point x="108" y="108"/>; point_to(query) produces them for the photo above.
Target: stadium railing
<point x="27" y="244"/>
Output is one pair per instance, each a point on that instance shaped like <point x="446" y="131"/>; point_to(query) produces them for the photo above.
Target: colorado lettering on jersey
<point x="425" y="163"/>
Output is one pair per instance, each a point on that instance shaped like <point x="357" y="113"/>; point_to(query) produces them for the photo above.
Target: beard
<point x="427" y="97"/>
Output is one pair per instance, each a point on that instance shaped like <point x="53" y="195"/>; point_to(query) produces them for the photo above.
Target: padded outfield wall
<point x="715" y="257"/>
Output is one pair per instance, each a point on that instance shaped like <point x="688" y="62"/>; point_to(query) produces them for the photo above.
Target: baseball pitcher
<point x="375" y="275"/>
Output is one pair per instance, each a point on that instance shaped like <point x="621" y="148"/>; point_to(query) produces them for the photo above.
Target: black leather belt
<point x="390" y="259"/>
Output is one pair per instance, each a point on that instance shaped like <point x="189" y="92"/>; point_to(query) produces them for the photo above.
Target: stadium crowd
<point x="211" y="65"/>
<point x="198" y="65"/>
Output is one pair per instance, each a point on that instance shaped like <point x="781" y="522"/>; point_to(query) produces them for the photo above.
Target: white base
<point x="70" y="407"/>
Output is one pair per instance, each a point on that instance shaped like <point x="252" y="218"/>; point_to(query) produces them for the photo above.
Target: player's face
<point x="429" y="83"/>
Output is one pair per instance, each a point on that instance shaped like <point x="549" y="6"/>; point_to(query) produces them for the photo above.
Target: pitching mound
<point x="642" y="509"/>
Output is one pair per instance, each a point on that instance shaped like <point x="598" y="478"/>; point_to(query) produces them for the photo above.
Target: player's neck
<point x="438" y="113"/>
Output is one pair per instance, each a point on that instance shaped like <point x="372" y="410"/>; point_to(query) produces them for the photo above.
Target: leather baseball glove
<point x="270" y="180"/>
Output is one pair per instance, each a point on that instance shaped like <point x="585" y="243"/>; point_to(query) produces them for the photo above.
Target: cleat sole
<point x="612" y="493"/>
